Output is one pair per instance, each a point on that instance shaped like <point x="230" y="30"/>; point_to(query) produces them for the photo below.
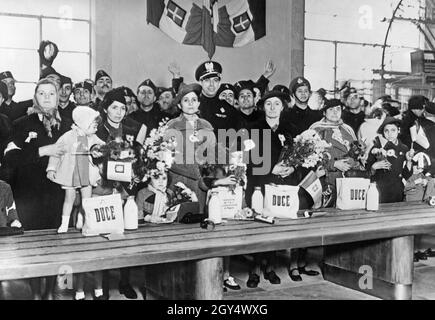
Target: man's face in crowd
<point x="65" y="92"/>
<point x="82" y="96"/>
<point x="228" y="96"/>
<point x="353" y="101"/>
<point x="246" y="99"/>
<point x="103" y="85"/>
<point x="165" y="100"/>
<point x="210" y="86"/>
<point x="333" y="114"/>
<point x="146" y="96"/>
<point x="10" y="83"/>
<point x="303" y="94"/>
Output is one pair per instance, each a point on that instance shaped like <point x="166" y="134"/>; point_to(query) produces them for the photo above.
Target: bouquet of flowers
<point x="158" y="151"/>
<point x="308" y="151"/>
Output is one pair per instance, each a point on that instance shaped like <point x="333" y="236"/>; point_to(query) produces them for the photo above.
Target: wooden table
<point x="185" y="262"/>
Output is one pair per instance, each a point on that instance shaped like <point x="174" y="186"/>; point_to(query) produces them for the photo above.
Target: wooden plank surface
<point x="43" y="252"/>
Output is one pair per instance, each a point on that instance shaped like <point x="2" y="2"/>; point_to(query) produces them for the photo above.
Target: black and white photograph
<point x="235" y="152"/>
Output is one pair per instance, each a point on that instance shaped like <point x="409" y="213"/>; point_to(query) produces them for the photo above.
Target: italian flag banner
<point x="209" y="23"/>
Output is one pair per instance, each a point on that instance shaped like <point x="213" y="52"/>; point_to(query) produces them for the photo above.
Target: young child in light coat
<point x="75" y="170"/>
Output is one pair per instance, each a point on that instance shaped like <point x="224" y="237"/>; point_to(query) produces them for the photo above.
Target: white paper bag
<point x="351" y="193"/>
<point x="119" y="171"/>
<point x="231" y="202"/>
<point x="281" y="201"/>
<point x="103" y="215"/>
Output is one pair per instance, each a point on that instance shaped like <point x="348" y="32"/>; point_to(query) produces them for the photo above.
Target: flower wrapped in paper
<point x="308" y="151"/>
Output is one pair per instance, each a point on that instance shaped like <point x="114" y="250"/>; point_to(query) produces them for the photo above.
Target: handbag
<point x="103" y="215"/>
<point x="119" y="171"/>
<point x="351" y="193"/>
<point x="281" y="201"/>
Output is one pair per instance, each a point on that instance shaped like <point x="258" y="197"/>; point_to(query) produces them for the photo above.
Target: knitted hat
<point x="208" y="69"/>
<point x="100" y="74"/>
<point x="283" y="89"/>
<point x="273" y="94"/>
<point x="84" y="116"/>
<point x="150" y="84"/>
<point x="48" y="71"/>
<point x="6" y="75"/>
<point x="3" y="90"/>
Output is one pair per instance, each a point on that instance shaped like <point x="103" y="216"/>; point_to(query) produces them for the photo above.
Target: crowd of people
<point x="63" y="117"/>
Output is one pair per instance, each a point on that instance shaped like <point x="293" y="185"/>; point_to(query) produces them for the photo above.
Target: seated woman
<point x="334" y="131"/>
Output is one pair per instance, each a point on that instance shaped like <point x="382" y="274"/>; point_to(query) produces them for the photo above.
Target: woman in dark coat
<point x="39" y="201"/>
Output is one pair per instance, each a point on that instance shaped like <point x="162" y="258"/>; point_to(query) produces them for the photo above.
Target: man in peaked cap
<point x="9" y="107"/>
<point x="103" y="84"/>
<point x="301" y="115"/>
<point x="219" y="113"/>
<point x="149" y="113"/>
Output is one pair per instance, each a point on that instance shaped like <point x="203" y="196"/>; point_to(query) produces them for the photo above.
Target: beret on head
<point x="113" y="95"/>
<point x="65" y="80"/>
<point x="185" y="89"/>
<point x="150" y="84"/>
<point x="244" y="85"/>
<point x="161" y="90"/>
<point x="100" y="74"/>
<point x="84" y="116"/>
<point x="208" y="69"/>
<point x="224" y="87"/>
<point x="331" y="104"/>
<point x="389" y="120"/>
<point x="417" y="102"/>
<point x="299" y="82"/>
<point x="6" y="75"/>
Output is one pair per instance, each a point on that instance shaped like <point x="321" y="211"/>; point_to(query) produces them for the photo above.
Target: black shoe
<point x="103" y="297"/>
<point x="127" y="291"/>
<point x="420" y="255"/>
<point x="311" y="273"/>
<point x="429" y="253"/>
<point x="272" y="277"/>
<point x="295" y="277"/>
<point x="253" y="281"/>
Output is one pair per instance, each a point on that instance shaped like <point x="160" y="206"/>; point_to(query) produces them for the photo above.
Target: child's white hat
<point x="84" y="116"/>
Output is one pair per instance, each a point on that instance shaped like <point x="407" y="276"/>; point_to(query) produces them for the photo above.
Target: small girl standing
<point x="74" y="170"/>
<point x="390" y="161"/>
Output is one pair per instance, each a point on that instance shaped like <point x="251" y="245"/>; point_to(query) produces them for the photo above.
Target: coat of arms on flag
<point x="313" y="186"/>
<point x="209" y="23"/>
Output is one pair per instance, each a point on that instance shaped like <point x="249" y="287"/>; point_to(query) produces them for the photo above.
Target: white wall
<point x="131" y="50"/>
